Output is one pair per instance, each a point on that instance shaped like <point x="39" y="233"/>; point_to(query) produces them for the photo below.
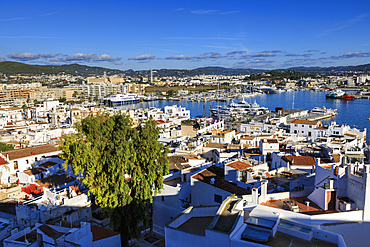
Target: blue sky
<point x="186" y="34"/>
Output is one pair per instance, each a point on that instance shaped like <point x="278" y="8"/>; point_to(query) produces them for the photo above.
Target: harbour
<point x="349" y="112"/>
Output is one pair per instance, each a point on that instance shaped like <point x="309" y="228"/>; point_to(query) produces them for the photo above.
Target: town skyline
<point x="188" y="35"/>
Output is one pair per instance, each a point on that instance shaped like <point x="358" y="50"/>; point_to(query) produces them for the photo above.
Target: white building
<point x="304" y="127"/>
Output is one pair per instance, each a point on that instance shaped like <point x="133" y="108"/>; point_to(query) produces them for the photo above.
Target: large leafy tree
<point x="5" y="147"/>
<point x="122" y="166"/>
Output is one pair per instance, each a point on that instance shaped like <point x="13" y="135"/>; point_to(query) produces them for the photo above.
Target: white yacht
<point x="121" y="99"/>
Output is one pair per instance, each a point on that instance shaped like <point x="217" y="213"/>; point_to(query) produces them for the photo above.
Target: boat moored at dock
<point x="121" y="99"/>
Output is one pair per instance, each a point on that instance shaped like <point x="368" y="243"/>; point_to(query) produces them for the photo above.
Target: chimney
<point x="255" y="195"/>
<point x="263" y="197"/>
<point x="331" y="183"/>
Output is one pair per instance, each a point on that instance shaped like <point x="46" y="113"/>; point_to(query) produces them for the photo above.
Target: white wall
<point x="114" y="241"/>
<point x="355" y="234"/>
<point x="202" y="194"/>
<point x="318" y="196"/>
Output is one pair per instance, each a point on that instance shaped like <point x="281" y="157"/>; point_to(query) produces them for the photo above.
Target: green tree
<point x="5" y="147"/>
<point x="122" y="166"/>
<point x="170" y="93"/>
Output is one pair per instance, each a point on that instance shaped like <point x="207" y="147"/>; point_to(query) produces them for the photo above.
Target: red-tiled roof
<point x="34" y="171"/>
<point x="48" y="164"/>
<point x="248" y="137"/>
<point x="102" y="233"/>
<point x="2" y="161"/>
<point x="33" y="189"/>
<point x="50" y="231"/>
<point x="219" y="181"/>
<point x="192" y="157"/>
<point x="300" y="160"/>
<point x="54" y="180"/>
<point x="239" y="165"/>
<point x="25" y="152"/>
<point x="298" y="121"/>
<point x="270" y="140"/>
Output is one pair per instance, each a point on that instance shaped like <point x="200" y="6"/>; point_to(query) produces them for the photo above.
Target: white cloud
<point x="143" y="57"/>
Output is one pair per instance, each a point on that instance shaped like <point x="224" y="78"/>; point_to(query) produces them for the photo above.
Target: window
<point x="302" y="125"/>
<point x="309" y="133"/>
<point x="218" y="198"/>
<point x="162" y="198"/>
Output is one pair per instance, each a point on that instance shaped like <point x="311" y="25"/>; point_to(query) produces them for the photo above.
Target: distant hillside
<point x="194" y="72"/>
<point x="83" y="69"/>
<point x="21" y="68"/>
<point x="9" y="67"/>
<point x="338" y="69"/>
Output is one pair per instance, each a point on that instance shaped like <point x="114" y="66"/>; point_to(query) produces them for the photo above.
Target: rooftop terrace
<point x="312" y="209"/>
<point x="196" y="225"/>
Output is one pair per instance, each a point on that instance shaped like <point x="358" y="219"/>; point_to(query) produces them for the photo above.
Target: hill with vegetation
<point x="365" y="68"/>
<point x="9" y="67"/>
<point x="12" y="68"/>
<point x="84" y="69"/>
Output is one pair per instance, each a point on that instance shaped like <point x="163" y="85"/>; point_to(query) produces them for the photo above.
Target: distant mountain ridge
<point x="364" y="68"/>
<point x="83" y="69"/>
<point x="12" y="68"/>
<point x="9" y="67"/>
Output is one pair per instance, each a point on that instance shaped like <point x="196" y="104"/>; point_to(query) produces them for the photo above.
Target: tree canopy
<point x="122" y="166"/>
<point x="5" y="147"/>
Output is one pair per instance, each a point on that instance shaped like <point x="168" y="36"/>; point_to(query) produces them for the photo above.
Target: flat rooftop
<point x="281" y="239"/>
<point x="172" y="182"/>
<point x="196" y="225"/>
<point x="227" y="219"/>
<point x="312" y="209"/>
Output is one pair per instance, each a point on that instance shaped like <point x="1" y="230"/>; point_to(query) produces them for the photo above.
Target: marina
<point x="351" y="112"/>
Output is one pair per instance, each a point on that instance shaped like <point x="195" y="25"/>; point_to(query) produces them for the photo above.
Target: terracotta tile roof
<point x="31" y="237"/>
<point x="216" y="145"/>
<point x="33" y="189"/>
<point x="9" y="207"/>
<point x="300" y="160"/>
<point x="25" y="152"/>
<point x="50" y="231"/>
<point x="76" y="189"/>
<point x="270" y="140"/>
<point x="239" y="165"/>
<point x="176" y="162"/>
<point x="298" y="121"/>
<point x="55" y="180"/>
<point x="2" y="161"/>
<point x="102" y="233"/>
<point x="218" y="174"/>
<point x="248" y="137"/>
<point x="192" y="157"/>
<point x="48" y="164"/>
<point x="34" y="171"/>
